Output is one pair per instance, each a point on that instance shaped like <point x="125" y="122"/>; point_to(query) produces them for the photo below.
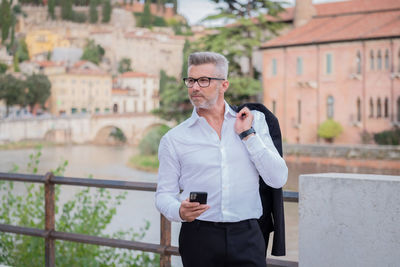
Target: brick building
<point x="341" y="61"/>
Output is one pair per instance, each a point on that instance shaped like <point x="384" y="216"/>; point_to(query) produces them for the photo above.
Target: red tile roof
<point x="345" y="21"/>
<point x="132" y="74"/>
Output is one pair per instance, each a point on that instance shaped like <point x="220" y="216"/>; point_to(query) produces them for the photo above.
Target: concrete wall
<point x="349" y="220"/>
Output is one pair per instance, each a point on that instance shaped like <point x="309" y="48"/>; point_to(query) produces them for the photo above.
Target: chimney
<point x="303" y="12"/>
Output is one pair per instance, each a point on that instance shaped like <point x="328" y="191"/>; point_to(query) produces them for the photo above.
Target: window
<point x="358" y="62"/>
<point x="379" y="60"/>
<point x="386" y="108"/>
<point x="387" y="63"/>
<point x="378" y="108"/>
<point x="371" y="108"/>
<point x="398" y="109"/>
<point x="299" y="111"/>
<point x="74" y="110"/>
<point x="328" y="63"/>
<point x="83" y="110"/>
<point x="274" y="67"/>
<point x="97" y="110"/>
<point x="299" y="66"/>
<point x="274" y="106"/>
<point x="372" y="60"/>
<point x="358" y="109"/>
<point x="330" y="107"/>
<point x="144" y="106"/>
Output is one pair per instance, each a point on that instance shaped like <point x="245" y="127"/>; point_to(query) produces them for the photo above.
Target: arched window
<point x="398" y="109"/>
<point x="386" y="107"/>
<point x="379" y="60"/>
<point x="358" y="109"/>
<point x="358" y="62"/>
<point x="371" y="108"/>
<point x="330" y="107"/>
<point x="387" y="63"/>
<point x="378" y="108"/>
<point x="372" y="60"/>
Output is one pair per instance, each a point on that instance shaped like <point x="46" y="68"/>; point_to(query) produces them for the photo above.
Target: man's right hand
<point x="189" y="211"/>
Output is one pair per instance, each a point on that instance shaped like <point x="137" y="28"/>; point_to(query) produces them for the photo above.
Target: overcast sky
<point x="196" y="10"/>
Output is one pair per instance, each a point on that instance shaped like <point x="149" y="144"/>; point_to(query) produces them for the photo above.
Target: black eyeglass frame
<point x="197" y="80"/>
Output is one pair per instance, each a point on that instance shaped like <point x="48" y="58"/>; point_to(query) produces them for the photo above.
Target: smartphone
<point x="200" y="197"/>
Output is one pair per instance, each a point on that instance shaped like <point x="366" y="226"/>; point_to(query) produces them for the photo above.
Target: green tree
<point x="146" y="17"/>
<point x="124" y="65"/>
<point x="93" y="15"/>
<point x="22" y="51"/>
<point x="149" y="144"/>
<point x="3" y="68"/>
<point x="51" y="9"/>
<point x="5" y="19"/>
<point x="329" y="130"/>
<point x="12" y="91"/>
<point x="247" y="31"/>
<point x="38" y="90"/>
<point x="66" y="10"/>
<point x="106" y="11"/>
<point x="89" y="212"/>
<point x="92" y="52"/>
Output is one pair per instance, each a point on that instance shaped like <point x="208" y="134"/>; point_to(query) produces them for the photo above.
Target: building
<point x="44" y="41"/>
<point x="84" y="88"/>
<point x="341" y="61"/>
<point x="135" y="92"/>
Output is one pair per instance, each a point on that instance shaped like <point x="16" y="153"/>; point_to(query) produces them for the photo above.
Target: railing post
<point x="49" y="220"/>
<point x="165" y="225"/>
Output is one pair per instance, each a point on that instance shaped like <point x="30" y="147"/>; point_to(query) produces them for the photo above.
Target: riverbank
<point x="27" y="144"/>
<point x="144" y="163"/>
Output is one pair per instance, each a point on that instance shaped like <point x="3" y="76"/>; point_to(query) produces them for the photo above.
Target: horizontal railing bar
<point x="113" y="184"/>
<point x="281" y="263"/>
<point x="88" y="239"/>
<point x="290" y="196"/>
<point x="23" y="230"/>
<point x="18" y="177"/>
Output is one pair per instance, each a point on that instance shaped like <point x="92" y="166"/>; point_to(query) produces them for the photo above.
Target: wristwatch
<point x="246" y="133"/>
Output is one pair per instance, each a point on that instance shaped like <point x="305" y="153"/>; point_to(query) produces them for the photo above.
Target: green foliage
<point x="38" y="89"/>
<point x="149" y="144"/>
<point x="106" y="11"/>
<point x="124" y="65"/>
<point x="66" y="10"/>
<point x="93" y="16"/>
<point x="147" y="163"/>
<point x="146" y="20"/>
<point x="12" y="90"/>
<point x="388" y="137"/>
<point x="22" y="51"/>
<point x="51" y="4"/>
<point x="3" y="68"/>
<point x="92" y="52"/>
<point x="242" y="89"/>
<point x="118" y="135"/>
<point x="246" y="32"/>
<point x="5" y="19"/>
<point x="179" y="27"/>
<point x="329" y="129"/>
<point x="79" y="17"/>
<point x="89" y="212"/>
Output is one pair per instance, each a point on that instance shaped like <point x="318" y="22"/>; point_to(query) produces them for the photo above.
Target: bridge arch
<point x="110" y="135"/>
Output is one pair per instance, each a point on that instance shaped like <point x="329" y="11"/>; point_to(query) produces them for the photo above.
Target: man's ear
<point x="225" y="85"/>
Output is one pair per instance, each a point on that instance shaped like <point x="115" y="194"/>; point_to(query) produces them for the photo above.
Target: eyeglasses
<point x="202" y="81"/>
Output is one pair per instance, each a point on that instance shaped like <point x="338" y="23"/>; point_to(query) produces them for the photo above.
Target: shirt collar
<point x="195" y="117"/>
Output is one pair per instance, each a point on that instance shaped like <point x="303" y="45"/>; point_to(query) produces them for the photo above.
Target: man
<point x="222" y="153"/>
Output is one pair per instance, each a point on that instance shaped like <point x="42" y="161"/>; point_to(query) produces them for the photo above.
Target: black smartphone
<point x="200" y="197"/>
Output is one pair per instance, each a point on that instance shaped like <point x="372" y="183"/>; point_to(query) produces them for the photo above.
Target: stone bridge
<point x="80" y="129"/>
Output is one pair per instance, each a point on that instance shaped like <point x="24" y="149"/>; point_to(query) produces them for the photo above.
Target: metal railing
<point x="50" y="234"/>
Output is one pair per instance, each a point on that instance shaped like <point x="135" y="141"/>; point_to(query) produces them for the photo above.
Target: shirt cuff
<point x="175" y="212"/>
<point x="254" y="144"/>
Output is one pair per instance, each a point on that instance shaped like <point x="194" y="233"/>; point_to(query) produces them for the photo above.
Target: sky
<point x="195" y="10"/>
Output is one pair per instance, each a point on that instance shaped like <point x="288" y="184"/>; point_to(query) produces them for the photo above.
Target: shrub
<point x="388" y="137"/>
<point x="149" y="144"/>
<point x="329" y="130"/>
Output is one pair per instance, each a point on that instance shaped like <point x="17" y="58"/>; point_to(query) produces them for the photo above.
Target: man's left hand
<point x="244" y="120"/>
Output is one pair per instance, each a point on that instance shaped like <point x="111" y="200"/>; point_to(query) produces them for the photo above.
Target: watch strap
<point x="246" y="133"/>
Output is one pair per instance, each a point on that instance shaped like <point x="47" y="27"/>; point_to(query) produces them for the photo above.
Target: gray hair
<point x="220" y="62"/>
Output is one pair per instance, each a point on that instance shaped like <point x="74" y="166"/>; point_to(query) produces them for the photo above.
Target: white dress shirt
<point x="193" y="158"/>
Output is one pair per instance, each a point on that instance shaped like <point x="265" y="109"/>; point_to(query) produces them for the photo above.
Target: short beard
<point x="208" y="104"/>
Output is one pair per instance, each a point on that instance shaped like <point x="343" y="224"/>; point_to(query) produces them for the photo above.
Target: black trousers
<point x="209" y="244"/>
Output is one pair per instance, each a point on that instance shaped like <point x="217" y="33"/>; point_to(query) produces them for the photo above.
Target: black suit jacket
<point x="272" y="219"/>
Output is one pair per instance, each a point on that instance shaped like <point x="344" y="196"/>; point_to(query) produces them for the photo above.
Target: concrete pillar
<point x="349" y="220"/>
